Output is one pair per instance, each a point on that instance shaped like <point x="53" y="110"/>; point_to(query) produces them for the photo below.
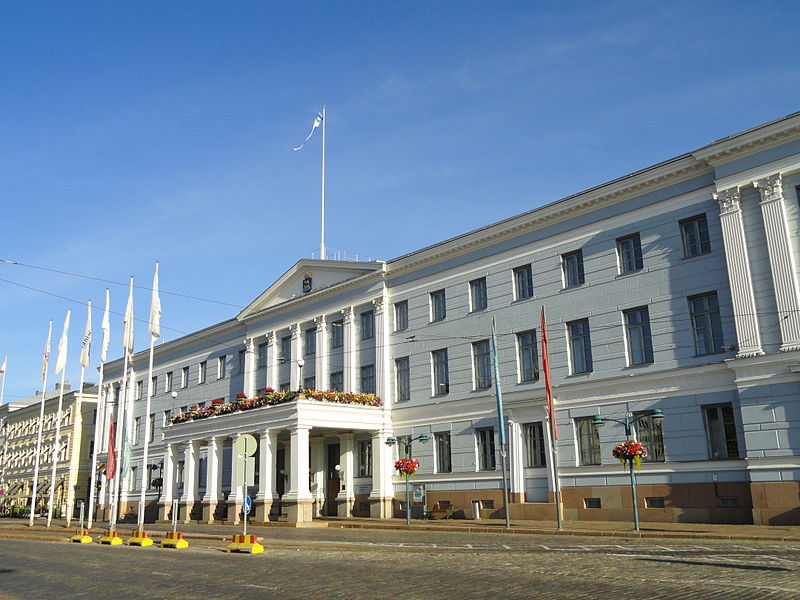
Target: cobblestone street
<point x="347" y="564"/>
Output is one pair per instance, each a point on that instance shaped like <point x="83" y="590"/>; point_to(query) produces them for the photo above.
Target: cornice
<point x="753" y="140"/>
<point x="670" y="172"/>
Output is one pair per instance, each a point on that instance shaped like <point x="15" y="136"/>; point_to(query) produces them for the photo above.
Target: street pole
<point x="408" y="501"/>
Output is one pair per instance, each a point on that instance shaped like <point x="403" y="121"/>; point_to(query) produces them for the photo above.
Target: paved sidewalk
<point x="573" y="528"/>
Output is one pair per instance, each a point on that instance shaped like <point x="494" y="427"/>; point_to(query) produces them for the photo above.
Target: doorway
<point x="332" y="481"/>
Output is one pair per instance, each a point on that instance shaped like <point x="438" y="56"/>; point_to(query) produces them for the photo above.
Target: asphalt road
<point x="337" y="564"/>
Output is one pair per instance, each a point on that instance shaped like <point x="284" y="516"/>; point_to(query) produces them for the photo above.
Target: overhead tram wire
<point x="141" y="287"/>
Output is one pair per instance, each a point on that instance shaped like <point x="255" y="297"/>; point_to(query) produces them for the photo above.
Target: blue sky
<point x="131" y="132"/>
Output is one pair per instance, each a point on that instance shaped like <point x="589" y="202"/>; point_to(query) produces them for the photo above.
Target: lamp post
<point x="300" y="364"/>
<point x="657" y="415"/>
<point x="406" y="444"/>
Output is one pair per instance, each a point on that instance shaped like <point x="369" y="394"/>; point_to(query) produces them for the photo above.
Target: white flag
<point x="106" y="332"/>
<point x="61" y="360"/>
<point x="127" y="324"/>
<point x="155" y="308"/>
<point x="86" y="344"/>
<point x="46" y="355"/>
<point x="5" y="364"/>
<point x="317" y="123"/>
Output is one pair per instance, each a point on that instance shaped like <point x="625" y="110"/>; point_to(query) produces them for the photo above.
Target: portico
<point x="296" y="444"/>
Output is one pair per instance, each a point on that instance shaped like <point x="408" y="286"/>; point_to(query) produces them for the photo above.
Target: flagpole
<point x="99" y="425"/>
<point x="45" y="361"/>
<point x="127" y="342"/>
<point x="61" y="366"/>
<point x="552" y="427"/>
<point x="501" y="424"/>
<point x="3" y="385"/>
<point x="154" y="325"/>
<point x="322" y="237"/>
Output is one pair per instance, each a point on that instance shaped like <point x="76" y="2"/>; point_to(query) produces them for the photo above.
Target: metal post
<point x="408" y="502"/>
<point x="244" y="508"/>
<point x="633" y="494"/>
<point x="81" y="515"/>
<point x="174" y="516"/>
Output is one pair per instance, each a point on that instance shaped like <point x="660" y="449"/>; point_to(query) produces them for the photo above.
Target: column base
<point x="165" y="511"/>
<point x="263" y="507"/>
<point x="209" y="510"/>
<point x="298" y="510"/>
<point x="381" y="507"/>
<point x="185" y="511"/>
<point x="234" y="515"/>
<point x="344" y="506"/>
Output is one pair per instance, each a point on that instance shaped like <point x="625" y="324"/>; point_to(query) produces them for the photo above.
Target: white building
<point x="672" y="288"/>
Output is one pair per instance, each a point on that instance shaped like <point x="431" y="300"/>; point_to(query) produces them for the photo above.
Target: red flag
<point x="548" y="389"/>
<point x="111" y="469"/>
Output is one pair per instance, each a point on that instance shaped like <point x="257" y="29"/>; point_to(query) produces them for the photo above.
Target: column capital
<point x="269" y="337"/>
<point x="729" y="199"/>
<point x="378" y="304"/>
<point x="771" y="188"/>
<point x="320" y="322"/>
<point x="294" y="329"/>
<point x="347" y="314"/>
<point x="249" y="345"/>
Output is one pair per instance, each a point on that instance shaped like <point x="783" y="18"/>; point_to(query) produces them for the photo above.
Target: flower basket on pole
<point x="631" y="451"/>
<point x="407" y="467"/>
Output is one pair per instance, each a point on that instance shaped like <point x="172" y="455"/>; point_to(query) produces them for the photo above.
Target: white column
<point x="190" y="472"/>
<point x="349" y="349"/>
<point x="321" y="366"/>
<point x="297" y="354"/>
<point x="250" y="367"/>
<point x="298" y="473"/>
<point x="168" y="484"/>
<point x="516" y="448"/>
<point x="382" y="494"/>
<point x="267" y="444"/>
<point x="781" y="260"/>
<point x="272" y="360"/>
<point x="382" y="371"/>
<point x="741" y="280"/>
<point x="346" y="497"/>
<point x="317" y="459"/>
<point x="213" y="470"/>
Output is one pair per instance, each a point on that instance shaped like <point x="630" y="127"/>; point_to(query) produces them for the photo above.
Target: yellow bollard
<point x="81" y="537"/>
<point x="111" y="538"/>
<point x="174" y="539"/>
<point x="140" y="538"/>
<point x="245" y="543"/>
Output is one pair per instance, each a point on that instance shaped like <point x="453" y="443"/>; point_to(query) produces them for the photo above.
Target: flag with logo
<point x="86" y="343"/>
<point x="317" y="123"/>
<point x="106" y="326"/>
<point x="46" y="355"/>
<point x="155" y="308"/>
<point x="127" y="323"/>
<point x="61" y="359"/>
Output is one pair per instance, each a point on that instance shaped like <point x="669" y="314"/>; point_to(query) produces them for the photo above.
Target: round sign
<point x="247" y="506"/>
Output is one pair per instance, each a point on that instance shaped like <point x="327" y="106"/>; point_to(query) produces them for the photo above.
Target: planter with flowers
<point x="630" y="452"/>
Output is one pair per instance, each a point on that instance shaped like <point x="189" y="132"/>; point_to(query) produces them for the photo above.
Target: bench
<point x="440" y="510"/>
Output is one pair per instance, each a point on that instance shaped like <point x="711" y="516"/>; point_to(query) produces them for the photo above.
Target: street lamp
<point x="657" y="415"/>
<point x="300" y="364"/>
<point x="406" y="444"/>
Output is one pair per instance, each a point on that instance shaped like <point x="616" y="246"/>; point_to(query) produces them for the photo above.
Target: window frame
<point x="523" y="288"/>
<point x="202" y="372"/>
<point x="629" y="260"/>
<point x="364" y="455"/>
<point x="726" y="441"/>
<point x="333" y="377"/>
<point x="367" y="322"/>
<point x="481" y="365"/>
<point x="650" y="433"/>
<point x="587" y="438"/>
<point x="401" y="315"/>
<point x="478" y="295"/>
<point x="440" y="372"/>
<point x="222" y="366"/>
<point x="262" y="352"/>
<point x="533" y="349"/>
<point x="583" y="338"/>
<point x="310" y="342"/>
<point x="535" y="445"/>
<point x="367" y="375"/>
<point x="402" y="379"/>
<point x="486" y="449"/>
<point x="444" y="456"/>
<point x="572" y="271"/>
<point x="286" y="348"/>
<point x="713" y="327"/>
<point x="184" y="377"/>
<point x="438" y="300"/>
<point x="697" y="227"/>
<point x="337" y="334"/>
<point x="641" y="342"/>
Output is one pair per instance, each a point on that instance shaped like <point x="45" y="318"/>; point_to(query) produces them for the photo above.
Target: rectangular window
<point x="694" y="233"/>
<point x="528" y="357"/>
<point x="637" y="330"/>
<point x="222" y="366"/>
<point x="168" y="382"/>
<point x="588" y="441"/>
<point x="151" y="391"/>
<point x="401" y="316"/>
<point x="310" y="383"/>
<point x="337" y="381"/>
<point x="201" y="372"/>
<point x="367" y="379"/>
<point x="523" y="282"/>
<point x="137" y="430"/>
<point x="629" y="253"/>
<point x="486" y="454"/>
<point x="721" y="431"/>
<point x="185" y="377"/>
<point x="151" y="434"/>
<point x="337" y="334"/>
<point x="441" y="376"/>
<point x="649" y="433"/>
<point x="477" y="294"/>
<point x="580" y="346"/>
<point x="242" y="355"/>
<point x="167" y="417"/>
<point x="572" y="266"/>
<point x="311" y="342"/>
<point x="286" y="348"/>
<point x="367" y="325"/>
<point x="481" y="365"/>
<point x="535" y="452"/>
<point x="443" y="462"/>
<point x="365" y="458"/>
<point x="438" y="305"/>
<point x="706" y="324"/>
<point x="262" y="355"/>
<point x="139" y="385"/>
<point x="402" y="372"/>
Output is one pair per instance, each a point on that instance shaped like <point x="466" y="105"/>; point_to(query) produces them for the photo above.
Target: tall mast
<point x="322" y="221"/>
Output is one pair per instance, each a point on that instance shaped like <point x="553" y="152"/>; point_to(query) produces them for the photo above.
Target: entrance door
<point x="332" y="482"/>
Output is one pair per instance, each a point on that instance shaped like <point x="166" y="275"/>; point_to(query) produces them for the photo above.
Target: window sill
<point x="697" y="255"/>
<point x="528" y="382"/>
<point x="519" y="300"/>
<point x="581" y="374"/>
<point x="628" y="273"/>
<point x="569" y="288"/>
<point x="478" y="310"/>
<point x="639" y="365"/>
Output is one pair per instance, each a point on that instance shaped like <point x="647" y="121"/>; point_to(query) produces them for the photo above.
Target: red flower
<point x="407" y="466"/>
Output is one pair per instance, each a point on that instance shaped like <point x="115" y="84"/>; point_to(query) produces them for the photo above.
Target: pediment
<point x="304" y="278"/>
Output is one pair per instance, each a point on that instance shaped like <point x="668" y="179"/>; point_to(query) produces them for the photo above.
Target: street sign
<point x="244" y="464"/>
<point x="245" y="445"/>
<point x="248" y="505"/>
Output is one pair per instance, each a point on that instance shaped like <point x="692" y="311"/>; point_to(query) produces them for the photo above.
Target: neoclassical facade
<point x="673" y="288"/>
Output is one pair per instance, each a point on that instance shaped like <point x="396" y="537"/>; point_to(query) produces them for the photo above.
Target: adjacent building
<point x="672" y="288"/>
